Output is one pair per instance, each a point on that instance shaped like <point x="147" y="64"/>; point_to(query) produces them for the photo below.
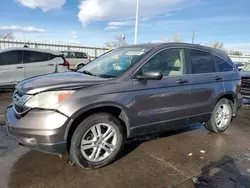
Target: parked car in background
<point x="130" y="91"/>
<point x="76" y="60"/>
<point x="239" y="65"/>
<point x="17" y="64"/>
<point x="245" y="79"/>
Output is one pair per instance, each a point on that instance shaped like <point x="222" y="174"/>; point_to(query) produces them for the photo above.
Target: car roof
<point x="31" y="49"/>
<point x="182" y="45"/>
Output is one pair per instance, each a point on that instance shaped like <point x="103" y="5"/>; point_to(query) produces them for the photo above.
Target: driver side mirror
<point x="150" y="75"/>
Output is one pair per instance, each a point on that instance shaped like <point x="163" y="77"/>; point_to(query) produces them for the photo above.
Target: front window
<point x="246" y="68"/>
<point x="11" y="58"/>
<point x="114" y="63"/>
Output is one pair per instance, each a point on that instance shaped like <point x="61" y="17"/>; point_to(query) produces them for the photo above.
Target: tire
<point x="84" y="130"/>
<point x="80" y="66"/>
<point x="211" y="125"/>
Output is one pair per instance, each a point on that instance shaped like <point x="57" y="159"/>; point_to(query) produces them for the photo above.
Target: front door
<point x="162" y="104"/>
<point x="11" y="67"/>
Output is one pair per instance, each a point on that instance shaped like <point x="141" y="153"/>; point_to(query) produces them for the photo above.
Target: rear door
<point x="206" y="84"/>
<point x="39" y="63"/>
<point x="162" y="104"/>
<point x="11" y="67"/>
<point x="227" y="71"/>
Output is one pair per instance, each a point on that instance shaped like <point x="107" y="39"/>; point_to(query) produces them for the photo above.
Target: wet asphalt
<point x="188" y="158"/>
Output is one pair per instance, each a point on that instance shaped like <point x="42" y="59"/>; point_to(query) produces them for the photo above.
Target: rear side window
<point x="69" y="55"/>
<point x="31" y="57"/>
<point x="11" y="58"/>
<point x="65" y="54"/>
<point x="201" y="62"/>
<point x="222" y="65"/>
<point x="82" y="55"/>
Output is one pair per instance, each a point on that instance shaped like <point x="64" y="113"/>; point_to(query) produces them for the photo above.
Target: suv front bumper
<point x="41" y="130"/>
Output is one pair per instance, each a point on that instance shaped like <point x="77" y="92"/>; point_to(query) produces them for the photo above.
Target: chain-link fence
<point x="91" y="50"/>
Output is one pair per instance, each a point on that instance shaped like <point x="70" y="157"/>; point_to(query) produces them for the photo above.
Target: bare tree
<point x="231" y="52"/>
<point x="219" y="45"/>
<point x="177" y="37"/>
<point x="119" y="41"/>
<point x="8" y="35"/>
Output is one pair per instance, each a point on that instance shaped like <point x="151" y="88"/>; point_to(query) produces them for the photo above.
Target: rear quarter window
<point x="222" y="65"/>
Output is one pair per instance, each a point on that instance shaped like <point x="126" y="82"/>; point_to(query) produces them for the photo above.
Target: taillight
<point x="89" y="59"/>
<point x="66" y="63"/>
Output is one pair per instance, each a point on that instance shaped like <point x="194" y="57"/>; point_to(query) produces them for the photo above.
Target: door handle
<point x="180" y="81"/>
<point x="50" y="64"/>
<point x="19" y="67"/>
<point x="218" y="78"/>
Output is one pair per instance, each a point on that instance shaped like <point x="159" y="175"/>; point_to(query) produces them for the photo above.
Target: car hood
<point x="244" y="74"/>
<point x="71" y="80"/>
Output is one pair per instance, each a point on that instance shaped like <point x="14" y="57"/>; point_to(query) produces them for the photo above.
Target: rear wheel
<point x="221" y="116"/>
<point x="97" y="141"/>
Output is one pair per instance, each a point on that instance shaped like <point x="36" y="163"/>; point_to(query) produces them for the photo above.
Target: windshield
<point x="114" y="63"/>
<point x="246" y="68"/>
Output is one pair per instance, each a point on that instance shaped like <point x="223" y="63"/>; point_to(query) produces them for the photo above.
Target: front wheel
<point x="80" y="66"/>
<point x="97" y="141"/>
<point x="221" y="116"/>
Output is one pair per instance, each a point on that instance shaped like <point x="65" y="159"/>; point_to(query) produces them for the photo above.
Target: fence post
<point x="95" y="53"/>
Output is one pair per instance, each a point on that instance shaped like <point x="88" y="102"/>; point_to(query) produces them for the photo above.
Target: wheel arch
<point x="231" y="96"/>
<point x="111" y="108"/>
<point x="80" y="63"/>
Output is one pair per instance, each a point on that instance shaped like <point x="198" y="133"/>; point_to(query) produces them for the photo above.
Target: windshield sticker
<point x="135" y="53"/>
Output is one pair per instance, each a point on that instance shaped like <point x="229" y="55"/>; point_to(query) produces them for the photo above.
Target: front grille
<point x="245" y="82"/>
<point x="245" y="87"/>
<point x="19" y="99"/>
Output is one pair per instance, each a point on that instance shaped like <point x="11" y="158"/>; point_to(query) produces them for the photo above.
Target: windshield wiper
<point x="106" y="76"/>
<point x="88" y="73"/>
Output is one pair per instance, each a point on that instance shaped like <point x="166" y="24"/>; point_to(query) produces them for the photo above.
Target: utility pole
<point x="193" y="37"/>
<point x="136" y="21"/>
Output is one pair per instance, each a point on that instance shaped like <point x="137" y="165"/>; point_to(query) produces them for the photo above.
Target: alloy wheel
<point x="98" y="142"/>
<point x="222" y="116"/>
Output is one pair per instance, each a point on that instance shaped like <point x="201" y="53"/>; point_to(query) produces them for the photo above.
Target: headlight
<point x="48" y="100"/>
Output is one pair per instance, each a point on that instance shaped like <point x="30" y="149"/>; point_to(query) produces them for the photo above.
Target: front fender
<point x="88" y="108"/>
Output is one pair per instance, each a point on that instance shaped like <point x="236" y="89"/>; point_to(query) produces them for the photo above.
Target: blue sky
<point x="95" y="22"/>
